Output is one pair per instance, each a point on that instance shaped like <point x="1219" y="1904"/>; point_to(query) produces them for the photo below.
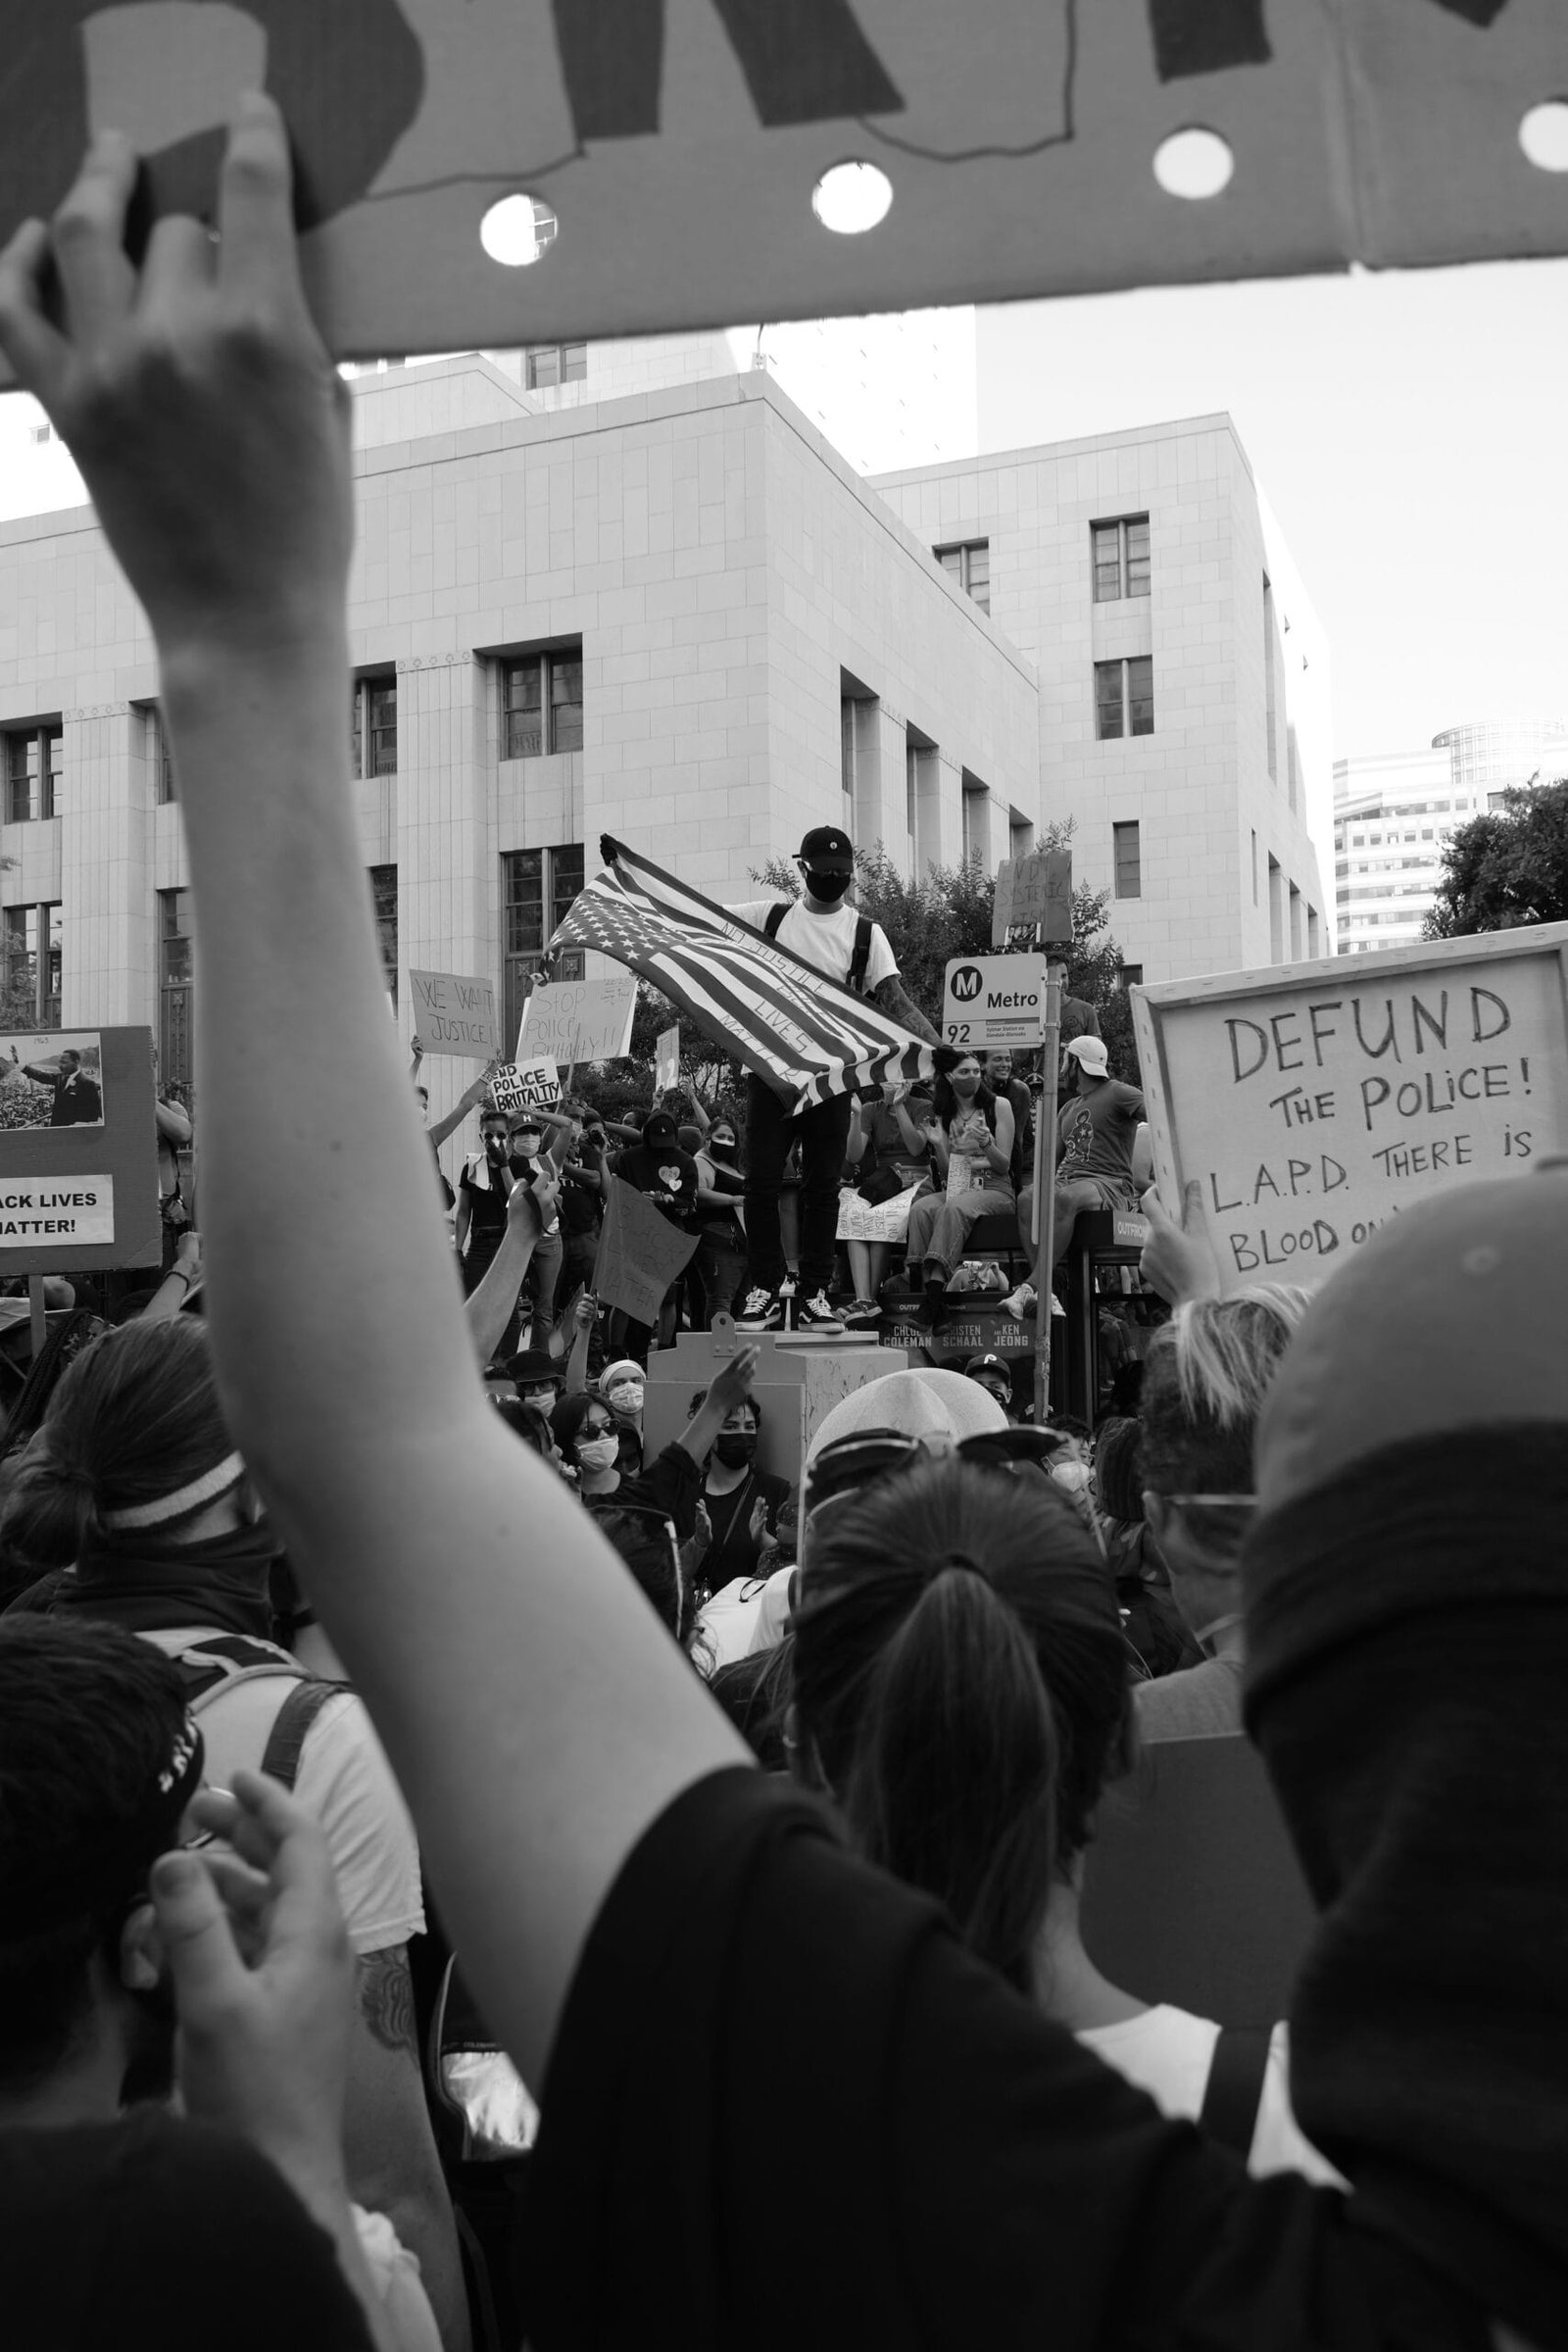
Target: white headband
<point x="206" y="1489"/>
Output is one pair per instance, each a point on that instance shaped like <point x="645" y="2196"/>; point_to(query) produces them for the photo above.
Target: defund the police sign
<point x="995" y="1000"/>
<point x="1314" y="1102"/>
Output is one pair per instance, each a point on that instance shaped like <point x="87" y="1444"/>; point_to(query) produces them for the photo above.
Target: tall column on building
<point x="102" y="867"/>
<point x="448" y="885"/>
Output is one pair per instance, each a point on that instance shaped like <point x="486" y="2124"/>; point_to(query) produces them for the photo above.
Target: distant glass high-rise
<point x="1393" y="812"/>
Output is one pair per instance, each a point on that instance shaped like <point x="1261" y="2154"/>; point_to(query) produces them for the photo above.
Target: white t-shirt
<point x="344" y="1779"/>
<point x="1168" y="2052"/>
<point x="824" y="940"/>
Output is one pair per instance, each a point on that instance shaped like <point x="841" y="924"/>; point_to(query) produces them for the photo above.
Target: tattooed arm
<point x="392" y="2163"/>
<point x="894" y="1000"/>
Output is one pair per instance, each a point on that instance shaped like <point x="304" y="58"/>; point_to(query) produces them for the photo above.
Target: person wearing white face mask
<point x="968" y="1122"/>
<point x="623" y="1386"/>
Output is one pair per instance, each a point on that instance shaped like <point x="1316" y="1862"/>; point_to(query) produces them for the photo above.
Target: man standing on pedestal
<point x="851" y="950"/>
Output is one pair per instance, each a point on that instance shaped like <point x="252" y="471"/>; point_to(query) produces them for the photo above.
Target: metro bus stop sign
<point x="994" y="1000"/>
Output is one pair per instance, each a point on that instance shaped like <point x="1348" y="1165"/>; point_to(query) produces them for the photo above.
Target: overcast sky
<point x="1409" y="433"/>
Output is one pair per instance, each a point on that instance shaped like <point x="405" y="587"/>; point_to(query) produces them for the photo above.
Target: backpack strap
<point x="285" y="1741"/>
<point x="861" y="955"/>
<point x="1233" y="2090"/>
<point x="775" y="916"/>
<point x="213" y="1665"/>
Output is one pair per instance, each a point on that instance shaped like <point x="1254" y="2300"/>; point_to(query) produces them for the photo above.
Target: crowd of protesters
<point x="775" y="1959"/>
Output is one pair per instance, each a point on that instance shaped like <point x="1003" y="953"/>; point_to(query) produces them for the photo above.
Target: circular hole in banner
<point x="517" y="231"/>
<point x="1194" y="163"/>
<point x="852" y="198"/>
<point x="1544" y="135"/>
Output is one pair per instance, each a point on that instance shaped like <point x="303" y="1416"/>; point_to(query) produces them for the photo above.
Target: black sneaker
<point x="860" y="1314"/>
<point x="763" y="1310"/>
<point x="815" y="1315"/>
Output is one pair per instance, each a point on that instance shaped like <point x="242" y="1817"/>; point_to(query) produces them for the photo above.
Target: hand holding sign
<point x="1178" y="1261"/>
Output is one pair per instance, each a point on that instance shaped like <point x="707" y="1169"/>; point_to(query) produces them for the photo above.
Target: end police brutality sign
<point x="995" y="1000"/>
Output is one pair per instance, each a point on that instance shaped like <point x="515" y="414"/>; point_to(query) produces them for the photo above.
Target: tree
<point x="1507" y="867"/>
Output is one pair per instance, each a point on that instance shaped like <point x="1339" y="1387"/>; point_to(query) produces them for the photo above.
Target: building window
<point x="557" y="364"/>
<point x="155" y="746"/>
<point x="32" y="954"/>
<point x="1121" y="558"/>
<point x="1254" y="869"/>
<point x="34" y="758"/>
<point x="1124" y="697"/>
<point x="1131" y="975"/>
<point x="541" y="704"/>
<point x="969" y="563"/>
<point x="912" y="803"/>
<point x="1128" y="861"/>
<point x="373" y="726"/>
<point x="534" y="881"/>
<point x="384" y="900"/>
<point x="977" y="826"/>
<point x="175" y="987"/>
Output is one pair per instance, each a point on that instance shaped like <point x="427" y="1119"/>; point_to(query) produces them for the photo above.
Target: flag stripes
<point x="807" y="1037"/>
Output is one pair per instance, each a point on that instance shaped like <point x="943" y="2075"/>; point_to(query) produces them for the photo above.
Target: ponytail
<point x="133" y="1423"/>
<point x="953" y="1783"/>
<point x="961" y="1685"/>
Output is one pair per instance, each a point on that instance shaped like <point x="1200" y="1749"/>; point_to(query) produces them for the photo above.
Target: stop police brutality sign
<point x="995" y="1000"/>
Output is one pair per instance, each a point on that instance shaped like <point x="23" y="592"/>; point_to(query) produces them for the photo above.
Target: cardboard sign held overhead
<point x="663" y="175"/>
<point x="453" y="1014"/>
<point x="640" y="1254"/>
<point x="1034" y="899"/>
<point x="526" y="1085"/>
<point x="667" y="1059"/>
<point x="579" y="1020"/>
<point x="1314" y="1102"/>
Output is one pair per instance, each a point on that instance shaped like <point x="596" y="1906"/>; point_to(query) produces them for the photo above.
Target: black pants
<point x="822" y="1132"/>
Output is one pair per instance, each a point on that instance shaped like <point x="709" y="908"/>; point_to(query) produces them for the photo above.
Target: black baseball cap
<point x="661" y="1131"/>
<point x="531" y="1367"/>
<point x="828" y="850"/>
<point x="987" y="1363"/>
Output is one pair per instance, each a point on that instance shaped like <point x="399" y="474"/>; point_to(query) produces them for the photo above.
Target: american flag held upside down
<point x="804" y="1035"/>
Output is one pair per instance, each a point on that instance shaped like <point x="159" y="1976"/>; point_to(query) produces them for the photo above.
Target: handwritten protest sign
<point x="666" y="1059"/>
<point x="526" y="1085"/>
<point x="640" y="1254"/>
<point x="1033" y="899"/>
<point x="1314" y="1102"/>
<point x="1386" y="133"/>
<point x="579" y="1020"/>
<point x="453" y="1014"/>
<point x="875" y="1221"/>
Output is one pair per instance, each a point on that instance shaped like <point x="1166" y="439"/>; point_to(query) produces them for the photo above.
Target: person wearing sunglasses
<point x="1205" y="1380"/>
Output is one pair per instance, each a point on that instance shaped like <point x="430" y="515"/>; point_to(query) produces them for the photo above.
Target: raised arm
<point x="532" y="1707"/>
<point x="489" y="1304"/>
<point x="469" y="1099"/>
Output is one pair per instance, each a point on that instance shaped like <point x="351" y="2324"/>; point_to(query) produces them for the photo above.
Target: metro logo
<point x="965" y="984"/>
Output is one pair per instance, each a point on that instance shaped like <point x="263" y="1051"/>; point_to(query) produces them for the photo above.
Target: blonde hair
<point x="1228" y="1349"/>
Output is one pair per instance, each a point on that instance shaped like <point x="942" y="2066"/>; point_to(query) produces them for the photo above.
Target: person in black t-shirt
<point x="656" y="1166"/>
<point x="745" y="1504"/>
<point x="737" y="2016"/>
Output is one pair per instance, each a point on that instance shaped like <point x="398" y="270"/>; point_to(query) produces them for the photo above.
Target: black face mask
<point x="827" y="886"/>
<point x="721" y="1150"/>
<point x="735" y="1447"/>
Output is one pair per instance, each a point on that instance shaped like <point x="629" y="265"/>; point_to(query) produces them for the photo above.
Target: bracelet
<point x="182" y="1273"/>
